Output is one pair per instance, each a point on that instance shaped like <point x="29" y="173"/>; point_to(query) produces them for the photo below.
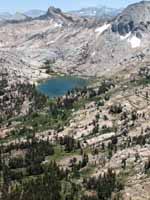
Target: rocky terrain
<point x="76" y="45"/>
<point x="105" y="127"/>
<point x="33" y="42"/>
<point x="94" y="142"/>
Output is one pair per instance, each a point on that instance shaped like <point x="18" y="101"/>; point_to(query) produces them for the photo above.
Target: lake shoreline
<point x="60" y="85"/>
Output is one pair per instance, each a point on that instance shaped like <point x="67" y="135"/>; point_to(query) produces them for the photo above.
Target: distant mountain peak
<point x="34" y="13"/>
<point x="52" y="10"/>
<point x="98" y="12"/>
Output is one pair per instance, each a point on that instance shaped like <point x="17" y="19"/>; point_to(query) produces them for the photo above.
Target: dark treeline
<point x="84" y="93"/>
<point x="47" y="186"/>
<point x="104" y="185"/>
<point x="25" y="172"/>
<point x="12" y="97"/>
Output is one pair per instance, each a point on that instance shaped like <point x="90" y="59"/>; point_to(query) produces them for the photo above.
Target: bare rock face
<point x="58" y="16"/>
<point x="78" y="45"/>
<point x="134" y="18"/>
<point x="52" y="11"/>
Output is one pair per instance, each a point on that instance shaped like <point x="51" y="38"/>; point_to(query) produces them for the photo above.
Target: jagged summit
<point x="79" y="45"/>
<point x="52" y="11"/>
<point x="58" y="16"/>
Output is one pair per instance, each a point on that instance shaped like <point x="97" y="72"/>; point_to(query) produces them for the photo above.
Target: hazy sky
<point x="23" y="5"/>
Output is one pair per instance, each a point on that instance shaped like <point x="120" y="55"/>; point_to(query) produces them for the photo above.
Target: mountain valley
<point x="92" y="143"/>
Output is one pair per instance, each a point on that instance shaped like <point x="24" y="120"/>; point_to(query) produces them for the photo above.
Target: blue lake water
<point x="60" y="85"/>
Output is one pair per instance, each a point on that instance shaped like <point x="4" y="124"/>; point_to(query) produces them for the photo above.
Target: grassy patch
<point x="87" y="171"/>
<point x="60" y="154"/>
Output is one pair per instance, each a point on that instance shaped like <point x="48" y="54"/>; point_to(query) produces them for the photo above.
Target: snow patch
<point x="125" y="37"/>
<point x="135" y="42"/>
<point x="93" y="54"/>
<point x="101" y="29"/>
<point x="57" y="25"/>
<point x="51" y="42"/>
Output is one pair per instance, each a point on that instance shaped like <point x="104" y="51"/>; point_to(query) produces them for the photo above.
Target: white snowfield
<point x="125" y="37"/>
<point x="101" y="29"/>
<point x="135" y="42"/>
<point x="57" y="25"/>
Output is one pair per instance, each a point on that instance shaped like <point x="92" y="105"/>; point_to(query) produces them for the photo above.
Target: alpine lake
<point x="59" y="86"/>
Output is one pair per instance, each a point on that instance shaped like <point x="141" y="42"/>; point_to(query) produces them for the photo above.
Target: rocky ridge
<point x="80" y="46"/>
<point x="109" y="120"/>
